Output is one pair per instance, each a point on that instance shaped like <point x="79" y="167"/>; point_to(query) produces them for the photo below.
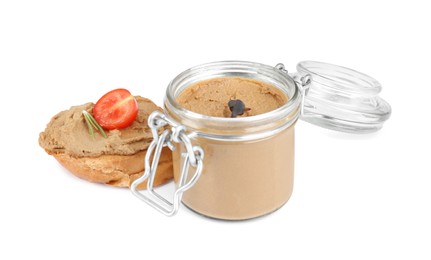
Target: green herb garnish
<point x="92" y="124"/>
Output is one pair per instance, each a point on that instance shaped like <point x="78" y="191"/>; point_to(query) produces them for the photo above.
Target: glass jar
<point x="248" y="166"/>
<point x="236" y="168"/>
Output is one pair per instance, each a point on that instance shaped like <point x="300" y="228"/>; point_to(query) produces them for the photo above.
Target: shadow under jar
<point x="249" y="161"/>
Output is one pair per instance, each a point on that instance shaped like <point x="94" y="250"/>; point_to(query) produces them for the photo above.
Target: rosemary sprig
<point x="92" y="124"/>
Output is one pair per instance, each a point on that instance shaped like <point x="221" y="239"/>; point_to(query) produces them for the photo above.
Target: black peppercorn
<point x="237" y="107"/>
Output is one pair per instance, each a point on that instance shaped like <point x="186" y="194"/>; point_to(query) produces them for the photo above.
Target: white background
<point x="355" y="197"/>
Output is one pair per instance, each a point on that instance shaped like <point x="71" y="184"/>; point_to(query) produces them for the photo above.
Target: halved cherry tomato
<point x="116" y="109"/>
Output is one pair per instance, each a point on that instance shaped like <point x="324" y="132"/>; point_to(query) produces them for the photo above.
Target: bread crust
<point x="117" y="170"/>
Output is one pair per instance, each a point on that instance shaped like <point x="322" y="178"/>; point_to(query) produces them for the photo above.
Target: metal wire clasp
<point x="193" y="157"/>
<point x="303" y="83"/>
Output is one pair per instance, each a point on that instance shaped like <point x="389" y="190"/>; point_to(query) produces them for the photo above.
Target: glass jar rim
<point x="288" y="112"/>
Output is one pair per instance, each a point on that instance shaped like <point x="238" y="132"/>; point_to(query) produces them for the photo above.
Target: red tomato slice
<point x="116" y="109"/>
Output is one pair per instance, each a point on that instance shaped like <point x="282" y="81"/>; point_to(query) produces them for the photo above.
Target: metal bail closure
<point x="193" y="157"/>
<point x="303" y="83"/>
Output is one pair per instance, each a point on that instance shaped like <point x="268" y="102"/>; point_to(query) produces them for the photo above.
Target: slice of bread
<point x="117" y="160"/>
<point x="117" y="170"/>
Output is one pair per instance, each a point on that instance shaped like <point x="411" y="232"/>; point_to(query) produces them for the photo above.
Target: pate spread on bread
<point x="117" y="159"/>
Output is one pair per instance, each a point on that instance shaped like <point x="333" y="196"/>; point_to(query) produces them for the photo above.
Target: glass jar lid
<point x="340" y="98"/>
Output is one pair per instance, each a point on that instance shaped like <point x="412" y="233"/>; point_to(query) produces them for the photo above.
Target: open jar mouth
<point x="213" y="126"/>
